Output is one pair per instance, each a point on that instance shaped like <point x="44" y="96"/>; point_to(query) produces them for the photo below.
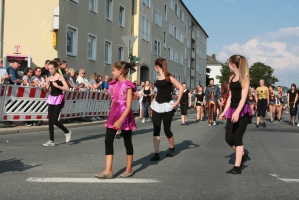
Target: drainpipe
<point x="2" y="4"/>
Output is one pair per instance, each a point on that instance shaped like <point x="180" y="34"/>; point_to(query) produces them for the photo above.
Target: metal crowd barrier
<point x="23" y="103"/>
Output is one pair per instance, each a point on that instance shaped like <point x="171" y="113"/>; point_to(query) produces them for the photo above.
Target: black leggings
<point x="184" y="108"/>
<point x="262" y="107"/>
<point x="167" y="119"/>
<point x="235" y="131"/>
<point x="110" y="135"/>
<point x="53" y="114"/>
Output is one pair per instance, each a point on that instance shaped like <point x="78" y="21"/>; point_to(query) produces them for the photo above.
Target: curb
<point x="23" y="129"/>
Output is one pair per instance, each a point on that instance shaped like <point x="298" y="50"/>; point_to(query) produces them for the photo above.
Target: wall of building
<point x="79" y="16"/>
<point x="29" y="25"/>
<point x="215" y="71"/>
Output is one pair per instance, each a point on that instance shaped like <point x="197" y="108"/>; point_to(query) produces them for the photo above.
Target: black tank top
<point x="54" y="90"/>
<point x="184" y="98"/>
<point x="164" y="94"/>
<point x="236" y="90"/>
<point x="200" y="97"/>
<point x="147" y="92"/>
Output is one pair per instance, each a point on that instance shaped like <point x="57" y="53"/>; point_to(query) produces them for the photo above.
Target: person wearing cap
<point x="12" y="71"/>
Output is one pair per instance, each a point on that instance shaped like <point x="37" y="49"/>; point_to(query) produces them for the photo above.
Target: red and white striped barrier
<point x="75" y="104"/>
<point x="24" y="104"/>
<point x="98" y="104"/>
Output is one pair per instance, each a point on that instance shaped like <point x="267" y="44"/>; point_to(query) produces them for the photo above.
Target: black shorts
<point x="198" y="104"/>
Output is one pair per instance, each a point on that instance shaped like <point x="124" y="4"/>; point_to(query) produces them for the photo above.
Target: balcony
<point x="193" y="35"/>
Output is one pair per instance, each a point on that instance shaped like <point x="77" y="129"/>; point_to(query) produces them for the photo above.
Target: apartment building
<point x="166" y="28"/>
<point x="85" y="33"/>
<point x="88" y="34"/>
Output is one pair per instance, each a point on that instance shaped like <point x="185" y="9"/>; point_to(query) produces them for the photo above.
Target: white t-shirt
<point x="3" y="71"/>
<point x="80" y="80"/>
<point x="41" y="80"/>
<point x="25" y="77"/>
<point x="139" y="93"/>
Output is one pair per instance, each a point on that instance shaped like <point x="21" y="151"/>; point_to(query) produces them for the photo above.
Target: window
<point x="171" y="5"/>
<point x="158" y="18"/>
<point x="92" y="47"/>
<point x="122" y="15"/>
<point x="181" y="37"/>
<point x="188" y="43"/>
<point x="188" y="63"/>
<point x="120" y="53"/>
<point x="175" y="56"/>
<point x="157" y="47"/>
<point x="146" y="2"/>
<point x="171" y="29"/>
<point x="181" y="59"/>
<point x="107" y="52"/>
<point x="170" y="53"/>
<point x="93" y="5"/>
<point x="176" y="8"/>
<point x="109" y="8"/>
<point x="71" y="41"/>
<point x="76" y="1"/>
<point x="145" y="28"/>
<point x="175" y="32"/>
<point x="165" y="13"/>
<point x="182" y="16"/>
<point x="197" y="67"/>
<point x="165" y="38"/>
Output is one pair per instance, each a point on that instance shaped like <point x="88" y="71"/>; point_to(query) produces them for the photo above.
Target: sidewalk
<point x="20" y="128"/>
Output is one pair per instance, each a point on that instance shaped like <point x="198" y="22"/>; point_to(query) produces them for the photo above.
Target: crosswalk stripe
<point x="91" y="180"/>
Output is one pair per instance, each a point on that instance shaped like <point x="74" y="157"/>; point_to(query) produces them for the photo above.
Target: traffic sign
<point x="129" y="41"/>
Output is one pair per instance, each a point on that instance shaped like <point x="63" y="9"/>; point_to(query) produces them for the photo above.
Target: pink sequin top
<point x="118" y="91"/>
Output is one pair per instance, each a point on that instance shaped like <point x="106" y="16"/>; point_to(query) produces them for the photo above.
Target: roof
<point x="193" y="17"/>
<point x="212" y="61"/>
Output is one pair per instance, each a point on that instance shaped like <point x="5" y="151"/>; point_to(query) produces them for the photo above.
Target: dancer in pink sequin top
<point x="120" y="117"/>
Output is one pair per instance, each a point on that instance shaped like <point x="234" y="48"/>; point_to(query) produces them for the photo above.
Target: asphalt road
<point x="196" y="172"/>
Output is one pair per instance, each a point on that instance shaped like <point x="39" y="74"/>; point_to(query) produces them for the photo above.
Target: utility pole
<point x="2" y="5"/>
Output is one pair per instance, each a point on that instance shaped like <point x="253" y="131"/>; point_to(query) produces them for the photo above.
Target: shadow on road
<point x="14" y="165"/>
<point x="143" y="131"/>
<point x="232" y="158"/>
<point x="145" y="162"/>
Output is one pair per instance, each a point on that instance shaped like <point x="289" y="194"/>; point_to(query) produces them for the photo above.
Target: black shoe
<point x="182" y="124"/>
<point x="244" y="158"/>
<point x="156" y="157"/>
<point x="170" y="152"/>
<point x="264" y="125"/>
<point x="257" y="126"/>
<point x="271" y="121"/>
<point x="196" y="121"/>
<point x="118" y="136"/>
<point x="234" y="171"/>
<point x="186" y="122"/>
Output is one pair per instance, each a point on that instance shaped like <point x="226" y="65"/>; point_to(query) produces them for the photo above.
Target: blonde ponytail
<point x="242" y="64"/>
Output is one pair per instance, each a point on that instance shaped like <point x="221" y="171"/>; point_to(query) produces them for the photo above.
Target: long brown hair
<point x="242" y="64"/>
<point x="162" y="63"/>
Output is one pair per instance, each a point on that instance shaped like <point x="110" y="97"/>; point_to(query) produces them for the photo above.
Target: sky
<point x="264" y="31"/>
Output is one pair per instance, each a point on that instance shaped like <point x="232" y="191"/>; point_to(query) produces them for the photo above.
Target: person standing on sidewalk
<point x="56" y="84"/>
<point x="237" y="111"/>
<point x="120" y="117"/>
<point x="199" y="103"/>
<point x="163" y="107"/>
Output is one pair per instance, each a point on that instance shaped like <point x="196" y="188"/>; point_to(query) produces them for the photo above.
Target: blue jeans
<point x="145" y="109"/>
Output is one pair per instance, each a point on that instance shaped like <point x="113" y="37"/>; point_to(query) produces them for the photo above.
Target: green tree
<point x="225" y="73"/>
<point x="260" y="71"/>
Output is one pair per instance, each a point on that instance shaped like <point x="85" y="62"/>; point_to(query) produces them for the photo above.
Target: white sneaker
<point x="98" y="118"/>
<point x="298" y="124"/>
<point x="209" y="125"/>
<point x="68" y="136"/>
<point x="93" y="119"/>
<point x="143" y="121"/>
<point x="214" y="123"/>
<point x="50" y="143"/>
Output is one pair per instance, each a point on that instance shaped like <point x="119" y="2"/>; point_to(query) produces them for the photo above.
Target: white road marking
<point x="91" y="180"/>
<point x="275" y="175"/>
<point x="289" y="180"/>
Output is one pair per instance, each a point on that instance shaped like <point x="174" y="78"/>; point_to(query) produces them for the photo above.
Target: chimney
<point x="214" y="56"/>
